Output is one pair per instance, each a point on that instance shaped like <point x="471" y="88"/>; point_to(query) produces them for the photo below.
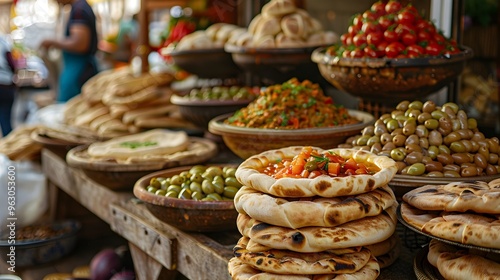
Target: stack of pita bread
<point x="116" y="103"/>
<point x="466" y="214"/>
<point x="320" y="228"/>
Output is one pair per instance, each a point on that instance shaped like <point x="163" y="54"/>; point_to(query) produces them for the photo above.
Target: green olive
<point x="215" y="196"/>
<point x="428" y="106"/>
<point x="214" y="170"/>
<point x="385" y="138"/>
<point x="458" y="147"/>
<point x="372" y="140"/>
<point x="175" y="188"/>
<point x="197" y="169"/>
<point x="409" y="129"/>
<point x="471" y="123"/>
<point x="417" y="105"/>
<point x="161" y="192"/>
<point x="403" y="105"/>
<point x="433" y="152"/>
<point x="421" y="131"/>
<point x="361" y="141"/>
<point x="431" y="124"/>
<point x="207" y="187"/>
<point x="177" y="180"/>
<point x="451" y="174"/>
<point x="229" y="172"/>
<point x="172" y="194"/>
<point x="452" y="137"/>
<point x="185" y="194"/>
<point x="436" y="174"/>
<point x="437" y="114"/>
<point x="414" y="157"/>
<point x="230" y="191"/>
<point x="397" y="155"/>
<point x="195" y="187"/>
<point x="450" y="105"/>
<point x="197" y="195"/>
<point x="155" y="182"/>
<point x="196" y="177"/>
<point x="151" y="189"/>
<point x="369" y="130"/>
<point x="423" y="117"/>
<point x="399" y="140"/>
<point x="233" y="182"/>
<point x="392" y="125"/>
<point x="218" y="186"/>
<point x="416" y="169"/>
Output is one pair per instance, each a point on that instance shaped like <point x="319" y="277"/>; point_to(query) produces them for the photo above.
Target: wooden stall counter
<point x="159" y="251"/>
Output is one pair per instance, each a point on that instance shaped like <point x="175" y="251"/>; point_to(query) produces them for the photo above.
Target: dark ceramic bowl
<point x="391" y="80"/>
<point x="186" y="214"/>
<point x="206" y="63"/>
<point x="246" y="142"/>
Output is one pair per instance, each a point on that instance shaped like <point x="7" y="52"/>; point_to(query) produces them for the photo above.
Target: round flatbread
<point x="241" y="271"/>
<point x="384" y="247"/>
<point x="312" y="211"/>
<point x="457" y="263"/>
<point x="361" y="232"/>
<point x="156" y="141"/>
<point x="290" y="262"/>
<point x="248" y="173"/>
<point x="480" y="197"/>
<point x="465" y="228"/>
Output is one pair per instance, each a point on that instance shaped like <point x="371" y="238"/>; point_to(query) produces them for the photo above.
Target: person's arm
<point x="78" y="40"/>
<point x="10" y="61"/>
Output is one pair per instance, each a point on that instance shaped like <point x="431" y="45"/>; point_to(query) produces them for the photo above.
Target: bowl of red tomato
<point x="390" y="51"/>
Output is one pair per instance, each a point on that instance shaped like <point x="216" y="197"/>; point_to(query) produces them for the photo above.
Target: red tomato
<point x="433" y="48"/>
<point x="346" y="39"/>
<point x="373" y="51"/>
<point x="359" y="39"/>
<point x="353" y="30"/>
<point x="439" y="38"/>
<point x="394" y="49"/>
<point x="392" y="7"/>
<point x="374" y="38"/>
<point x="357" y="53"/>
<point x="350" y="163"/>
<point x="386" y="21"/>
<point x="414" y="51"/>
<point x="423" y="35"/>
<point x="370" y="26"/>
<point x="381" y="48"/>
<point x="422" y="24"/>
<point x="409" y="38"/>
<point x="450" y="49"/>
<point x="390" y="36"/>
<point x="346" y="53"/>
<point x="357" y="21"/>
<point x="378" y="8"/>
<point x="369" y="16"/>
<point x="406" y="17"/>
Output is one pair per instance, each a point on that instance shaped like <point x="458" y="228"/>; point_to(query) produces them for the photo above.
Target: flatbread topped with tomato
<point x="310" y="171"/>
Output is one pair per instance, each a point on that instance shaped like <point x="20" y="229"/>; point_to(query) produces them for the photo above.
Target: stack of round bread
<point x="320" y="228"/>
<point x="462" y="213"/>
<point x="214" y="37"/>
<point x="282" y="25"/>
<point x="115" y="103"/>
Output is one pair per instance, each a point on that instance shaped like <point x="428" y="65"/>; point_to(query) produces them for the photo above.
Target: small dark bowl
<point x="36" y="252"/>
<point x="392" y="80"/>
<point x="200" y="112"/>
<point x="186" y="214"/>
<point x="206" y="63"/>
<point x="276" y="65"/>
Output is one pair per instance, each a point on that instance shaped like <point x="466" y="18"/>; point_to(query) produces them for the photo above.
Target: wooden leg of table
<point x="147" y="268"/>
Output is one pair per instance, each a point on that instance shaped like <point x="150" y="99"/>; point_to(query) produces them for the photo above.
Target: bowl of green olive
<point x="197" y="198"/>
<point x="200" y="105"/>
<point x="431" y="144"/>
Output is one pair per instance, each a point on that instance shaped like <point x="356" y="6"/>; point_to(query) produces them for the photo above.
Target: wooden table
<point x="160" y="250"/>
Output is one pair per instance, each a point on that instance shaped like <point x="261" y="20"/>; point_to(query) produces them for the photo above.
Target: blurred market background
<point x="29" y="21"/>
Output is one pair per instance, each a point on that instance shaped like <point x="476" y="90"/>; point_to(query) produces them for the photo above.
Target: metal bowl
<point x="393" y="80"/>
<point x="186" y="214"/>
<point x="246" y="142"/>
<point x="40" y="251"/>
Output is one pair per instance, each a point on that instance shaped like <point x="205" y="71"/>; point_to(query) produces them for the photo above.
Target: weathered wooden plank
<point x="160" y="245"/>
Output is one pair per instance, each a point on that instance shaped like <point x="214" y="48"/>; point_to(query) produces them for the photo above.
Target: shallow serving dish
<point x="276" y="65"/>
<point x="186" y="214"/>
<point x="40" y="251"/>
<point x="122" y="176"/>
<point x="206" y="63"/>
<point x="246" y="142"/>
<point x="395" y="79"/>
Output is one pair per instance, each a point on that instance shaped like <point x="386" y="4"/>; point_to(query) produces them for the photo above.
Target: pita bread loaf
<point x="465" y="228"/>
<point x="290" y="262"/>
<point x="278" y="8"/>
<point x="156" y="141"/>
<point x="385" y="246"/>
<point x="312" y="211"/>
<point x="480" y="197"/>
<point x="241" y="271"/>
<point x="361" y="232"/>
<point x="457" y="263"/>
<point x="248" y="173"/>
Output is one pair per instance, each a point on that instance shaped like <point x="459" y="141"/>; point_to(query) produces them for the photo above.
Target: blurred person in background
<point x="78" y="47"/>
<point x="7" y="86"/>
